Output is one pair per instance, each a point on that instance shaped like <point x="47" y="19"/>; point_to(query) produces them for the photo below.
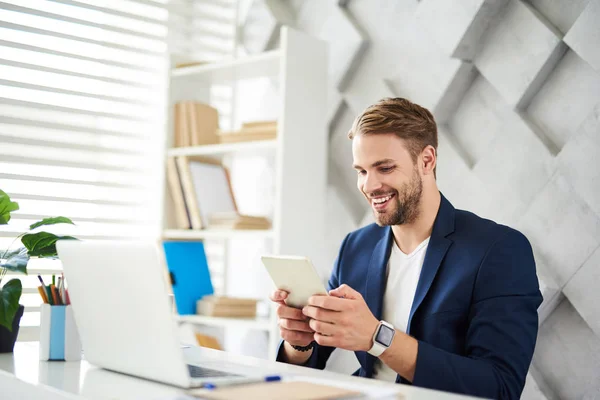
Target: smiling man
<point x="429" y="295"/>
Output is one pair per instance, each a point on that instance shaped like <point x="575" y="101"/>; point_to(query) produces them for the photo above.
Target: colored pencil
<point x="53" y="294"/>
<point x="43" y="294"/>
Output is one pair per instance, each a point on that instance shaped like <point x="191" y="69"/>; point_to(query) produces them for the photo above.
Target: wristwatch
<point x="382" y="338"/>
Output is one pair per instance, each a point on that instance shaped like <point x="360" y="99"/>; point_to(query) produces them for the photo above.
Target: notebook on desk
<point x="122" y="311"/>
<point x="290" y="390"/>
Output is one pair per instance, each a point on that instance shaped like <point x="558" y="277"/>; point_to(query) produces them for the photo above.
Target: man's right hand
<point x="294" y="329"/>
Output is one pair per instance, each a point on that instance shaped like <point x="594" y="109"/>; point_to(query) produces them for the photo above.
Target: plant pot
<point x="7" y="338"/>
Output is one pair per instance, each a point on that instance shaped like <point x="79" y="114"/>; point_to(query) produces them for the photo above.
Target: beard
<point x="407" y="203"/>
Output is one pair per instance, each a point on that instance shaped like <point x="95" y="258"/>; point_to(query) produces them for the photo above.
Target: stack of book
<point x="208" y="341"/>
<point x="222" y="306"/>
<point x="234" y="220"/>
<point x="196" y="124"/>
<point x="250" y="131"/>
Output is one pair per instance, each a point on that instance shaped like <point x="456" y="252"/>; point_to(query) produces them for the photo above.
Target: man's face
<point x="387" y="177"/>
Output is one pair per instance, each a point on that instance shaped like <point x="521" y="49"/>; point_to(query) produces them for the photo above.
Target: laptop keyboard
<point x="200" y="372"/>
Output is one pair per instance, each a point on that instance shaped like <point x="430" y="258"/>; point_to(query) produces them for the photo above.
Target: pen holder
<point x="59" y="339"/>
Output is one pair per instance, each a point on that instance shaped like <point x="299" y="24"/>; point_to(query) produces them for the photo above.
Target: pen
<point x="49" y="294"/>
<point x="43" y="294"/>
<point x="241" y="381"/>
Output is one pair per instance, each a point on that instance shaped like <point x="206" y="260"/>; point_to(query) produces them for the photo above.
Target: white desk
<point x="23" y="376"/>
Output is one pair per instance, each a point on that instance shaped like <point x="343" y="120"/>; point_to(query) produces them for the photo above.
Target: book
<point x="182" y="220"/>
<point x="195" y="124"/>
<point x="208" y="341"/>
<point x="260" y="124"/>
<point x="230" y="300"/>
<point x="189" y="273"/>
<point x="203" y="122"/>
<point x="181" y="125"/>
<point x="213" y="310"/>
<point x="234" y="220"/>
<point x="219" y="306"/>
<point x="206" y="187"/>
<point x="250" y="131"/>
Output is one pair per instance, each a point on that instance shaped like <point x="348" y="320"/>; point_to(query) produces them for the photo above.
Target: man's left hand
<point x="342" y="319"/>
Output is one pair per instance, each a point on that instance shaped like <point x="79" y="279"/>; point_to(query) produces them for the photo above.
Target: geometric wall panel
<point x="455" y="178"/>
<point x="260" y="29"/>
<point x="457" y="26"/>
<point x="561" y="14"/>
<point x="568" y="355"/>
<point x="566" y="99"/>
<point x="584" y="36"/>
<point x="518" y="52"/>
<point x="579" y="160"/>
<point x="501" y="170"/>
<point x="341" y="175"/>
<point x="478" y="119"/>
<point x="532" y="390"/>
<point x="454" y="92"/>
<point x="346" y="41"/>
<point x="582" y="287"/>
<point x="562" y="227"/>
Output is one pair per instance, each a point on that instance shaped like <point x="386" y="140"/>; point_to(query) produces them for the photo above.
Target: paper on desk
<point x="315" y="388"/>
<point x="369" y="391"/>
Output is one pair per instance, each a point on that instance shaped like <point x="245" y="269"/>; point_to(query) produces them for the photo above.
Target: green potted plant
<point x="35" y="244"/>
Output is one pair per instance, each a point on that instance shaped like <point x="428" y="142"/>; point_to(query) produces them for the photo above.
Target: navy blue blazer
<point x="474" y="313"/>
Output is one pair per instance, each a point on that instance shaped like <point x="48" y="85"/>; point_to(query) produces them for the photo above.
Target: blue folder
<point x="189" y="272"/>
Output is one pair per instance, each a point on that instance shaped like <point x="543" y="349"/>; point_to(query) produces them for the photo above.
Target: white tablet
<point x="295" y="275"/>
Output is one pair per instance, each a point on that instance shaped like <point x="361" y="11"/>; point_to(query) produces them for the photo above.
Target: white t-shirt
<point x="403" y="276"/>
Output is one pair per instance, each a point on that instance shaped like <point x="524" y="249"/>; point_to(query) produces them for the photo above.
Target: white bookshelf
<point x="223" y="149"/>
<point x="201" y="234"/>
<point x="298" y="154"/>
<point x="256" y="66"/>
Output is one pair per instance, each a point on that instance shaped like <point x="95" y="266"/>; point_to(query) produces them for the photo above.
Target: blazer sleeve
<point x="502" y="328"/>
<point x="320" y="354"/>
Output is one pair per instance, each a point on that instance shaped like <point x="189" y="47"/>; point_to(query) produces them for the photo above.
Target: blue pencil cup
<point x="59" y="338"/>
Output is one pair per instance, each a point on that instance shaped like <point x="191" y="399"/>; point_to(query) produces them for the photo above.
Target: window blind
<point x="83" y="91"/>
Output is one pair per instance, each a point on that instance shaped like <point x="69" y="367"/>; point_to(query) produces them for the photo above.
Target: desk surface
<point x="22" y="375"/>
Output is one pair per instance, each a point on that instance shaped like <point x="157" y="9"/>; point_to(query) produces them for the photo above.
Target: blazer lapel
<point x="375" y="287"/>
<point x="436" y="250"/>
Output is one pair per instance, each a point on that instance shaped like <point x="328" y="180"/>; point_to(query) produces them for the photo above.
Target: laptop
<point x="120" y="301"/>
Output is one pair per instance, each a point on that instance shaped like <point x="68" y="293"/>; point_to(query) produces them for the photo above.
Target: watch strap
<point x="377" y="348"/>
<point x="304" y="348"/>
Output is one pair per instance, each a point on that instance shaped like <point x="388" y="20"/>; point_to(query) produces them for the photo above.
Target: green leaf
<point x="9" y="302"/>
<point x="51" y="221"/>
<point x="42" y="244"/>
<point x="17" y="261"/>
<point x="6" y="207"/>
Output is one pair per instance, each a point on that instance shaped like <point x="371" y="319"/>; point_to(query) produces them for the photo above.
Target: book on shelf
<point x="207" y="199"/>
<point x="208" y="341"/>
<point x="250" y="131"/>
<point x="188" y="272"/>
<point x="222" y="306"/>
<point x="196" y="124"/>
<point x="235" y="220"/>
<point x="206" y="188"/>
<point x="182" y="218"/>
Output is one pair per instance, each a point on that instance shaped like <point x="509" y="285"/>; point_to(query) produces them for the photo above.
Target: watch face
<point x="385" y="335"/>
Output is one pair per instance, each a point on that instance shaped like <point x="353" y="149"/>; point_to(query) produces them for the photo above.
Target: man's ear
<point x="428" y="160"/>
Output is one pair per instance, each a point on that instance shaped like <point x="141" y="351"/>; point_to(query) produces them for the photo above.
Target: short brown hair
<point x="407" y="120"/>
